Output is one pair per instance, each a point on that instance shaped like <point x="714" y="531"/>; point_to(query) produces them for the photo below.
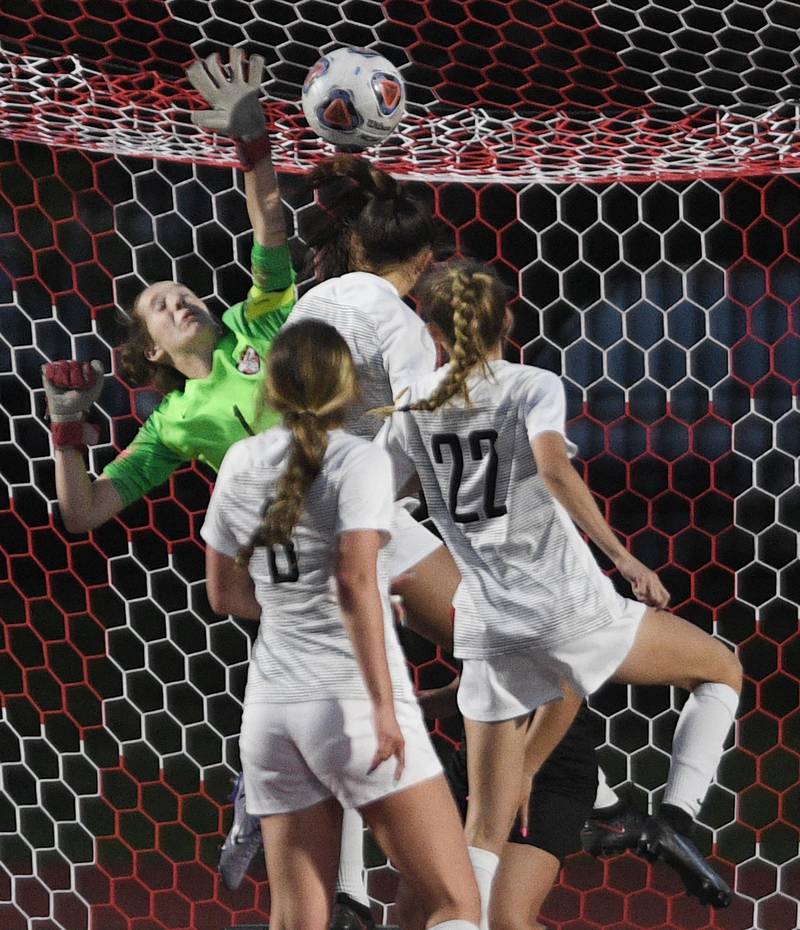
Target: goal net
<point x="626" y="167"/>
<point x="528" y="91"/>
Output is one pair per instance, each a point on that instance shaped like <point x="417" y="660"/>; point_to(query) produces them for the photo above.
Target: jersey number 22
<point x="475" y="444"/>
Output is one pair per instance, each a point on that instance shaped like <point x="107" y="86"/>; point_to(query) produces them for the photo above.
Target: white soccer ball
<point x="353" y="97"/>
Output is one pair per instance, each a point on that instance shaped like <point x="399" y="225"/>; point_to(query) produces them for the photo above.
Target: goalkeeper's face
<point x="177" y="321"/>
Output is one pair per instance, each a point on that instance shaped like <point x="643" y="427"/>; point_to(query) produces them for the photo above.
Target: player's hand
<point x="71" y="388"/>
<point x="390" y="741"/>
<point x="644" y="582"/>
<point x="235" y="108"/>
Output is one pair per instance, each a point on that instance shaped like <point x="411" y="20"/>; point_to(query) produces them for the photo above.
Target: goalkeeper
<point x="210" y="371"/>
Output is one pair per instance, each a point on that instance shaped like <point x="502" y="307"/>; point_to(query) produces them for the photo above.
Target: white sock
<point x="484" y="865"/>
<point x="350" y="879"/>
<point x="453" y="925"/>
<point x="702" y="727"/>
<point x="606" y="796"/>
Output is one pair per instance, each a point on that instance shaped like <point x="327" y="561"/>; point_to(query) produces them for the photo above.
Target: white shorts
<point x="295" y="755"/>
<point x="411" y="542"/>
<point x="510" y="685"/>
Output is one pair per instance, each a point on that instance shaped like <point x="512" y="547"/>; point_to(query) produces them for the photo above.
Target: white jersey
<point x="528" y="577"/>
<point x="389" y="342"/>
<point x="302" y="651"/>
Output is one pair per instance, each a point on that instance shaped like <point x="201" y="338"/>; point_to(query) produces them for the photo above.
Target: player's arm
<point x="362" y="608"/>
<point x="230" y="588"/>
<point x="362" y="612"/>
<point x="264" y="206"/>
<point x="408" y="351"/>
<point x="236" y="112"/>
<point x="84" y="502"/>
<point x="569" y="489"/>
<point x="364" y="520"/>
<point x="71" y="388"/>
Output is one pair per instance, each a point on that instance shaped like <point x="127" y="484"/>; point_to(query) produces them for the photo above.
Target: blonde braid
<point x="467" y="302"/>
<point x="467" y="352"/>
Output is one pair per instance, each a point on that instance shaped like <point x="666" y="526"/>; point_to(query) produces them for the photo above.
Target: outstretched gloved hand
<point x="235" y="108"/>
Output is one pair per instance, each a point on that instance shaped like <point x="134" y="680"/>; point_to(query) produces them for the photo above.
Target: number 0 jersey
<point x="528" y="577"/>
<point x="302" y="651"/>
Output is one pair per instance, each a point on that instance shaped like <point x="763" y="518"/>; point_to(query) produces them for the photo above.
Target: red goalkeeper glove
<point x="71" y="389"/>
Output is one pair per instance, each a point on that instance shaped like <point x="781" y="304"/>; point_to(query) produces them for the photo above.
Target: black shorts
<point x="563" y="791"/>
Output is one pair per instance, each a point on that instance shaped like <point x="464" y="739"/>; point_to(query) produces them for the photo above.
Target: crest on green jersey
<point x="249" y="362"/>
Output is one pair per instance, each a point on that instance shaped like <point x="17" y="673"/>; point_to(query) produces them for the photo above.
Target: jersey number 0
<point x="290" y="570"/>
<point x="476" y="443"/>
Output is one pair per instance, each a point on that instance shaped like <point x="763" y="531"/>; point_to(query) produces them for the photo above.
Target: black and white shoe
<point x="349" y="914"/>
<point x="613" y="830"/>
<point x="660" y="840"/>
<point x="242" y="842"/>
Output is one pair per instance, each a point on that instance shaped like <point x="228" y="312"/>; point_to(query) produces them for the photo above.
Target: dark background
<point x="672" y="312"/>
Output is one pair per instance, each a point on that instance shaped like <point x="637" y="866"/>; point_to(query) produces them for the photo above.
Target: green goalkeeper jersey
<point x="205" y="418"/>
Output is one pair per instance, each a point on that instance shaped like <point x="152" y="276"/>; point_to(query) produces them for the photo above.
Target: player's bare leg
<point x="302" y="865"/>
<point x="427" y="590"/>
<point x="420" y="831"/>
<point x="669" y="650"/>
<point x="495" y="757"/>
<point x="408" y="910"/>
<point x="524" y="878"/>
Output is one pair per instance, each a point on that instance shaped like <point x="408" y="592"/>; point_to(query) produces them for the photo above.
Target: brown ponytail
<point x="368" y="222"/>
<point x="312" y="381"/>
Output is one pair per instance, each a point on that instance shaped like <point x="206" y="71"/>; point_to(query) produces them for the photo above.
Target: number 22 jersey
<point x="528" y="578"/>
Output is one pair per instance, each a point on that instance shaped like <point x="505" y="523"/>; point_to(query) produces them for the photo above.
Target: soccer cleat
<point x="611" y="832"/>
<point x="242" y="842"/>
<point x="660" y="840"/>
<point x="349" y="914"/>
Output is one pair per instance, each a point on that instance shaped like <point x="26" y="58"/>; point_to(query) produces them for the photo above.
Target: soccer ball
<point x="353" y="97"/>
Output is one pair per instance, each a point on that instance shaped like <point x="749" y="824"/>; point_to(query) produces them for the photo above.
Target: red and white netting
<point x="514" y="92"/>
<point x="668" y="307"/>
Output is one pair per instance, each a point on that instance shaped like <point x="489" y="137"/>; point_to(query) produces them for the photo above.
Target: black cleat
<point x="611" y="832"/>
<point x="660" y="840"/>
<point x="351" y="915"/>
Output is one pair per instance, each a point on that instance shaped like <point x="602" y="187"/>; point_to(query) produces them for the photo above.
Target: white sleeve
<point x="390" y="438"/>
<point x="215" y="530"/>
<point x="366" y="492"/>
<point x="545" y="408"/>
<point x="408" y="351"/>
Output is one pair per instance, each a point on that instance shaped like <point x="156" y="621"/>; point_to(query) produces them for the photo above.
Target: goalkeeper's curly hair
<point x="311" y="381"/>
